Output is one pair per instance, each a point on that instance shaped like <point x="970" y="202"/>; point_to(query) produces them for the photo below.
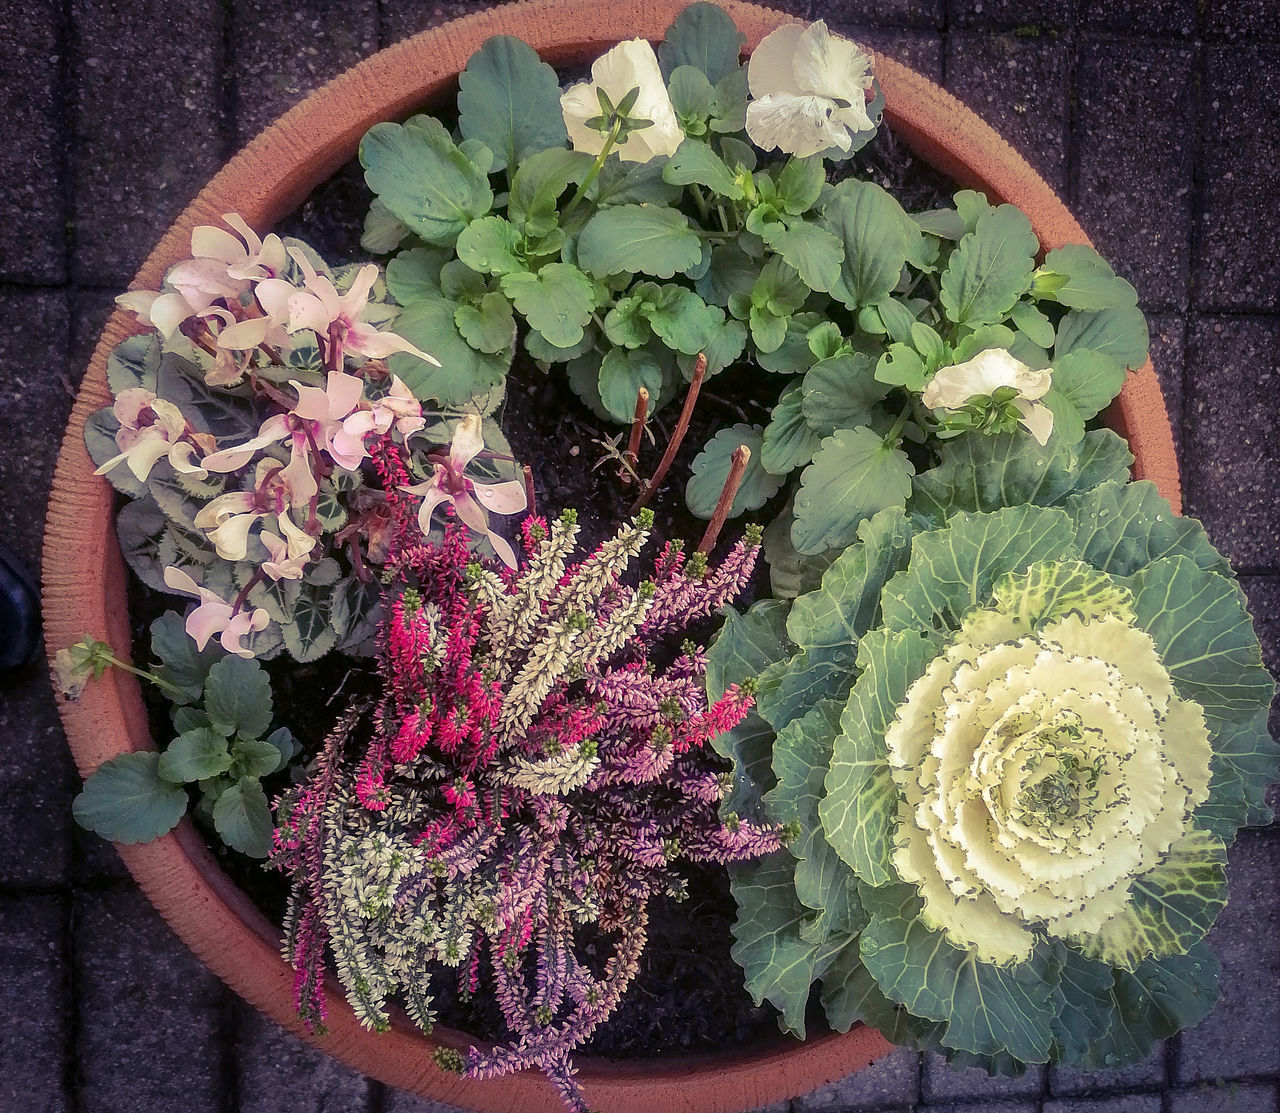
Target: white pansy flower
<point x="809" y="90"/>
<point x="952" y="388"/>
<point x="629" y="65"/>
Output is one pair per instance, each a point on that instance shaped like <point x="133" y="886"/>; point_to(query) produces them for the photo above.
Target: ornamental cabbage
<point x="1013" y="731"/>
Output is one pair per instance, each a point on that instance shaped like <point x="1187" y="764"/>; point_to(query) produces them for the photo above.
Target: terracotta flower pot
<point x="84" y="575"/>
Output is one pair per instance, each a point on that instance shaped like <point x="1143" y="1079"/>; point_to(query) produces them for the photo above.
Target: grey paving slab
<point x="891" y="1083"/>
<point x="90" y="309"/>
<point x="1235" y="18"/>
<point x="35" y="993"/>
<point x="1263" y="593"/>
<point x="1166" y="18"/>
<point x="1031" y="17"/>
<point x="980" y="1107"/>
<point x="942" y="1082"/>
<point x="905" y="13"/>
<point x="921" y="50"/>
<point x="1233" y="1098"/>
<point x="1239" y="241"/>
<point x="150" y="1036"/>
<point x="284" y="49"/>
<point x="32" y="210"/>
<point x="1241" y="1037"/>
<point x="276" y="1071"/>
<point x="1019" y="86"/>
<point x="1122" y="1103"/>
<point x="1067" y="1081"/>
<point x="1232" y="430"/>
<point x="1131" y="185"/>
<point x="147" y="126"/>
<point x="1168" y="354"/>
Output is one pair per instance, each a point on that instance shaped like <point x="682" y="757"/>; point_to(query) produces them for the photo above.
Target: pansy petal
<point x="1037" y="418"/>
<point x="771" y="68"/>
<point x="797" y="125"/>
<point x="832" y="66"/>
<point x="578" y="104"/>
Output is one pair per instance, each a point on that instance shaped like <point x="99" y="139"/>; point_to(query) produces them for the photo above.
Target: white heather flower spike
<point x="629" y="65"/>
<point x="952" y="387"/>
<point x="809" y="90"/>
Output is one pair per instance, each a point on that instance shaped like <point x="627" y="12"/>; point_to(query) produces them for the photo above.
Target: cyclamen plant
<point x="531" y="782"/>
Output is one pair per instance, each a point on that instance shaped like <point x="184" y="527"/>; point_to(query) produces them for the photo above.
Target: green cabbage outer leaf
<point x="1054" y="720"/>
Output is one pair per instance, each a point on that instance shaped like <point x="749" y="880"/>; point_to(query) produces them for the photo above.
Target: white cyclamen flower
<point x="809" y="90"/>
<point x="952" y="388"/>
<point x="629" y="65"/>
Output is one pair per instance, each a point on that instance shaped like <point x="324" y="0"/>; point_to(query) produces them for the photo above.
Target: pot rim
<point x="84" y="574"/>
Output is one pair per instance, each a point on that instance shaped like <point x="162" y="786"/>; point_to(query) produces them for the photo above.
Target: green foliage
<point x="126" y="800"/>
<point x="710" y="469"/>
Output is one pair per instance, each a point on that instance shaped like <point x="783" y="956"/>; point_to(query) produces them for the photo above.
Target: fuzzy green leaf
<point x="463" y="373"/>
<point x="181" y="663"/>
<point x="814" y="252"/>
<point x="256" y="757"/>
<point x="703" y="36"/>
<point x="622" y="374"/>
<point x="1120" y="333"/>
<point x="488" y="327"/>
<point x="509" y="99"/>
<point x="638" y="238"/>
<point x="839" y="392"/>
<point x="424" y="179"/>
<point x="243" y="819"/>
<point x="1091" y="283"/>
<point x="237" y="695"/>
<point x="1089" y="380"/>
<point x="538" y="184"/>
<point x="682" y="320"/>
<point x="990" y="268"/>
<point x="557" y="301"/>
<point x="491" y="245"/>
<point x="854" y="474"/>
<point x="860" y="810"/>
<point x="800" y="183"/>
<point x="127" y="801"/>
<point x="789" y="440"/>
<point x="195" y="756"/>
<point x="711" y="466"/>
<point x="695" y="163"/>
<point x="987" y="1009"/>
<point x="1038" y="327"/>
<point x="871" y="226"/>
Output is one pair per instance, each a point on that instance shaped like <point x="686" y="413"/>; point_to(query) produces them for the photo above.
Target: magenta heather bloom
<point x="529" y="775"/>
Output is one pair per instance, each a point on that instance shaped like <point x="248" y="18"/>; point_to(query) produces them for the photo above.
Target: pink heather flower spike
<point x="470" y="498"/>
<point x="214" y="615"/>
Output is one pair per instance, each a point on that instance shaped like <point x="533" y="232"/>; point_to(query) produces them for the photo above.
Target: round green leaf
<point x="990" y="268"/>
<point x="195" y="756"/>
<point x="243" y="819"/>
<point x="648" y="239"/>
<point x="126" y="800"/>
<point x="711" y="469"/>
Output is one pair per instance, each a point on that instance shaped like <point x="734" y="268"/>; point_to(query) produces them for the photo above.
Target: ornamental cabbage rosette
<point x="1016" y="728"/>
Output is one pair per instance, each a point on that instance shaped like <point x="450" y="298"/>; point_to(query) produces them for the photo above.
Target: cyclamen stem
<point x="682" y="427"/>
<point x="254" y="580"/>
<point x="737" y="468"/>
<point x="632" y="455"/>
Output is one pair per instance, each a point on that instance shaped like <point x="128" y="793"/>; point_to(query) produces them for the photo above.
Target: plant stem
<point x="144" y="674"/>
<point x="700" y="200"/>
<point x="682" y="427"/>
<point x="594" y="172"/>
<point x="894" y="433"/>
<point x="632" y="454"/>
<point x="737" y="468"/>
<point x="530" y="496"/>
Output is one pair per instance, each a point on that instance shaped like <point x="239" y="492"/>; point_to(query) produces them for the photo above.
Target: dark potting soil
<point x="688" y="993"/>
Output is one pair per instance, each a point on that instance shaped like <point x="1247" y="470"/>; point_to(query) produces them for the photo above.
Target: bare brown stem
<point x="632" y="455"/>
<point x="682" y="427"/>
<point x="529" y="494"/>
<point x="737" y="468"/>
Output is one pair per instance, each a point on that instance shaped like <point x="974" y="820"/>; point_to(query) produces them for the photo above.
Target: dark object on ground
<point x="19" y="612"/>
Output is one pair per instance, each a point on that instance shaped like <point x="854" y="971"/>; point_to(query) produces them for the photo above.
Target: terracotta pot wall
<point x="84" y="575"/>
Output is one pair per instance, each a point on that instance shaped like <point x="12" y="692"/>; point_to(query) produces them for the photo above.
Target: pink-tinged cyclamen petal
<point x="182" y="457"/>
<point x="280" y="566"/>
<point x="352" y="303"/>
<point x="217" y="511"/>
<point x="244" y="335"/>
<point x="204" y="281"/>
<point x="231" y="538"/>
<point x="274" y="429"/>
<point x="240" y="627"/>
<point x="181" y="581"/>
<point x="365" y="340"/>
<point x="168" y="311"/>
<point x="300" y="542"/>
<point x="297" y="474"/>
<point x="273" y="295"/>
<point x="206" y="620"/>
<point x="210" y="242"/>
<point x="139" y="303"/>
<point x="508" y="497"/>
<point x="130" y="403"/>
<point x="467" y="443"/>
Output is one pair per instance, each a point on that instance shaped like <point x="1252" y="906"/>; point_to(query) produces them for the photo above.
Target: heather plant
<point x="681" y="202"/>
<point x="536" y="770"/>
<point x="1017" y="725"/>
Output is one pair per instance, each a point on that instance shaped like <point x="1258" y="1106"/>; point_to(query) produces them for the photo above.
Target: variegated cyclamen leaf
<point x="1122" y="527"/>
<point x="1158" y="999"/>
<point x="860" y="809"/>
<point x="778" y="963"/>
<point x="953" y="570"/>
<point x="1201" y="627"/>
<point x="844" y="605"/>
<point x="987" y="1009"/>
<point x="979" y="472"/>
<point x="1171" y="907"/>
<point x="788" y="689"/>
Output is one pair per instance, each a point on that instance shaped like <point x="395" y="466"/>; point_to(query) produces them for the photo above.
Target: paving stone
<point x="1263" y="593"/>
<point x="983" y="1107"/>
<point x="1232" y="429"/>
<point x="1168" y="353"/>
<point x="276" y="1070"/>
<point x="1143" y="17"/>
<point x="150" y="1038"/>
<point x="1241" y="1036"/>
<point x="920" y="50"/>
<point x="900" y="13"/>
<point x="147" y="126"/>
<point x="1123" y="1103"/>
<point x="32" y="211"/>
<point x="1239" y="243"/>
<point x="285" y="48"/>
<point x="891" y="1083"/>
<point x="941" y="1082"/>
<point x="1019" y="86"/>
<point x="1232" y="1098"/>
<point x="1233" y="18"/>
<point x="1149" y="1074"/>
<point x="34" y="986"/>
<point x="1132" y="178"/>
<point x="1030" y="17"/>
<point x="90" y="309"/>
